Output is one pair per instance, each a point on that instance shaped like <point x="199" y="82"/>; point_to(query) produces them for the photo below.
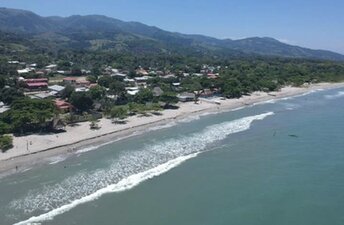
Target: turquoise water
<point x="275" y="163"/>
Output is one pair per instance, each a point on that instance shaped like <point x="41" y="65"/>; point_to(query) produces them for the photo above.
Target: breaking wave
<point x="125" y="172"/>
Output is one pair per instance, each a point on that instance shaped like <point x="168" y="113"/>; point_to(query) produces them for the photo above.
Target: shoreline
<point x="35" y="150"/>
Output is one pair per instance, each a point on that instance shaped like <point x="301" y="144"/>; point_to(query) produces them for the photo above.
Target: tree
<point x="82" y="101"/>
<point x="105" y="81"/>
<point x="8" y="95"/>
<point x="92" y="79"/>
<point x="63" y="65"/>
<point x="193" y="85"/>
<point x="30" y="114"/>
<point x="119" y="112"/>
<point x="97" y="92"/>
<point x="143" y="96"/>
<point x="116" y="87"/>
<point x="4" y="128"/>
<point x="6" y="142"/>
<point x="2" y="81"/>
<point x="168" y="98"/>
<point x="67" y="92"/>
<point x="76" y="71"/>
<point x="231" y="89"/>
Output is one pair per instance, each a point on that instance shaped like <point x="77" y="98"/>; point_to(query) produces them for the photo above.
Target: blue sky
<point x="311" y="23"/>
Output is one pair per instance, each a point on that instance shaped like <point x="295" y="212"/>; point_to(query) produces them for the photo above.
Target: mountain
<point x="94" y="32"/>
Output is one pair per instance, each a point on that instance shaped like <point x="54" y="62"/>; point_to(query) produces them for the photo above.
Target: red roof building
<point x="38" y="83"/>
<point x="37" y="80"/>
<point x="63" y="105"/>
<point x="69" y="80"/>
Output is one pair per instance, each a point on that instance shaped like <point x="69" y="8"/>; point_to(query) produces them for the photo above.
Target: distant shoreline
<point x="41" y="148"/>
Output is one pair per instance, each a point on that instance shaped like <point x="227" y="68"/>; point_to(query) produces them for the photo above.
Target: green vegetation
<point x="119" y="112"/>
<point x="81" y="101"/>
<point x="6" y="142"/>
<point x="8" y="95"/>
<point x="27" y="115"/>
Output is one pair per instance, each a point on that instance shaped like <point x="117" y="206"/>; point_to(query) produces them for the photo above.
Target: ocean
<point x="279" y="162"/>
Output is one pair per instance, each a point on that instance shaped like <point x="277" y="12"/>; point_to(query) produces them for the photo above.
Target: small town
<point x="79" y="96"/>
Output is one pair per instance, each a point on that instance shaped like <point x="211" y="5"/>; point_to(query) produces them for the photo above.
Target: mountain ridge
<point x="99" y="32"/>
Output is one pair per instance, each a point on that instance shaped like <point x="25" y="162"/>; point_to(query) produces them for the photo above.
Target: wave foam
<point x="122" y="185"/>
<point x="128" y="170"/>
<point x="337" y="95"/>
<point x="58" y="159"/>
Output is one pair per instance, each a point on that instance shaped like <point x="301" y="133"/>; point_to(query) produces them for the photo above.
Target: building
<point x="132" y="90"/>
<point x="212" y="75"/>
<point x="56" y="88"/>
<point x="51" y="67"/>
<point x="82" y="89"/>
<point x="69" y="80"/>
<point x="24" y="71"/>
<point x="36" y="84"/>
<point x="63" y="106"/>
<point x="186" y="97"/>
<point x="119" y="75"/>
<point x="207" y="93"/>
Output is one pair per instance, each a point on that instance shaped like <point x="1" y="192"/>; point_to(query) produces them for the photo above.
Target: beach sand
<point x="34" y="149"/>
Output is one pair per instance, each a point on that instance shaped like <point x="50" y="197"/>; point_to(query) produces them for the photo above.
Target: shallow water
<point x="275" y="163"/>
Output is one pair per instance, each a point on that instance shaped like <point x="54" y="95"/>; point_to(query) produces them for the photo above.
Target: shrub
<point x="6" y="142"/>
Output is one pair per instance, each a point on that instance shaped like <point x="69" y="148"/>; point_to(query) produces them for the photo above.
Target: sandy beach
<point x="34" y="149"/>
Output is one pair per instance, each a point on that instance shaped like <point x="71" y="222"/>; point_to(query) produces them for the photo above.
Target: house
<point x="40" y="73"/>
<point x="186" y="97"/>
<point x="23" y="71"/>
<point x="51" y="67"/>
<point x="63" y="106"/>
<point x="207" y="93"/>
<point x="141" y="72"/>
<point x="212" y="75"/>
<point x="82" y="83"/>
<point x="13" y="62"/>
<point x="69" y="80"/>
<point x="119" y="75"/>
<point x="85" y="71"/>
<point x="130" y="81"/>
<point x="56" y="88"/>
<point x="141" y="79"/>
<point x="44" y="95"/>
<point x="132" y="90"/>
<point x="61" y="72"/>
<point x="176" y="86"/>
<point x="82" y="89"/>
<point x="168" y="76"/>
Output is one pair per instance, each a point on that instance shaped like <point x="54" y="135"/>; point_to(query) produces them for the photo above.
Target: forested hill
<point x="96" y="32"/>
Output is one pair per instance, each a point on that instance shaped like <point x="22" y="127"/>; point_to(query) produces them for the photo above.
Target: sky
<point x="316" y="24"/>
